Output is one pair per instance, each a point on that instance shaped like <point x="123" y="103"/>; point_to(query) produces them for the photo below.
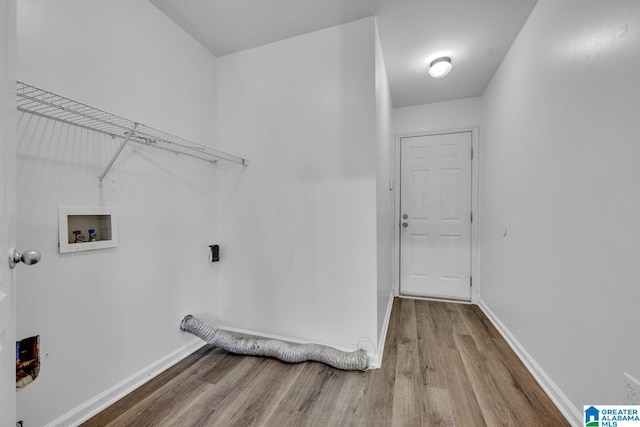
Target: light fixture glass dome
<point x="440" y="67"/>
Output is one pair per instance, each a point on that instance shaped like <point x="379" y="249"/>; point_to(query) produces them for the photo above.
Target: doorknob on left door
<point x="28" y="257"/>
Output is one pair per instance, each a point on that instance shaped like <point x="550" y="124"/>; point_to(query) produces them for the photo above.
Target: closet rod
<point x="43" y="103"/>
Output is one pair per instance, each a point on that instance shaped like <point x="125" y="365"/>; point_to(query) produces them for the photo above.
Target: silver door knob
<point x="405" y="216"/>
<point x="405" y="224"/>
<point x="28" y="257"/>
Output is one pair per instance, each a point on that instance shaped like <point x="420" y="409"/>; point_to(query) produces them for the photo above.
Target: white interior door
<point x="435" y="216"/>
<point x="7" y="213"/>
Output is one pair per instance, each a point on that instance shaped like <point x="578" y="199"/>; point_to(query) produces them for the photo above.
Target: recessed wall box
<point x="87" y="229"/>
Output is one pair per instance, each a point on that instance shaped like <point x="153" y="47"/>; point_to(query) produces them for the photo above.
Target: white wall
<point x="384" y="197"/>
<point x="104" y="315"/>
<point x="438" y="116"/>
<point x="560" y="167"/>
<point x="299" y="224"/>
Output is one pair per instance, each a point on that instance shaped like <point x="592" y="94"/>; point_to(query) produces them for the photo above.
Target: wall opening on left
<point x="27" y="361"/>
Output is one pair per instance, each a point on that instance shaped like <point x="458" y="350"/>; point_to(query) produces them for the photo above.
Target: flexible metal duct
<point x="287" y="352"/>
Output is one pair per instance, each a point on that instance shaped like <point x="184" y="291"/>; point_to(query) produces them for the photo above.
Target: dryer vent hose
<point x="287" y="352"/>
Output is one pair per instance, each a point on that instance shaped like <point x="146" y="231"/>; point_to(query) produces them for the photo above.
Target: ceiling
<point x="476" y="34"/>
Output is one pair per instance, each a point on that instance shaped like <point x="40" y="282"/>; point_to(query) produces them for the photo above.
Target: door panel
<point x="7" y="213"/>
<point x="435" y="196"/>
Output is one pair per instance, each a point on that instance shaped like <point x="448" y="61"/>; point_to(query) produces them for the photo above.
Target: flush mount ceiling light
<point x="440" y="67"/>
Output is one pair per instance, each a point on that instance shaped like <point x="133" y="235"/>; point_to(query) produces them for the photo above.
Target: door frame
<point x="475" y="204"/>
<point x="8" y="215"/>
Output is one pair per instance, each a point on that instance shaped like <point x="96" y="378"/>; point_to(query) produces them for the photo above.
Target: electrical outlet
<point x="631" y="390"/>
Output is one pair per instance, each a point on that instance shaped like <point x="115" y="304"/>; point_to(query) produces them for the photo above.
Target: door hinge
<point x="471" y="216"/>
<point x="472" y="154"/>
<point x="470" y="281"/>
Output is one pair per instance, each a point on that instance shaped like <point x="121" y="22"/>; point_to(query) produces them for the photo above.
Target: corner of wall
<point x="376" y="360"/>
<point x="570" y="412"/>
<point x="385" y="197"/>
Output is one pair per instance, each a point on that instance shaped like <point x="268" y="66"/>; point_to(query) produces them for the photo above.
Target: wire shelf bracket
<point x="40" y="102"/>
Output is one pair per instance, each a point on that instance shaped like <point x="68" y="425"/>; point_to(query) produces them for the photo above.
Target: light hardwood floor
<point x="444" y="365"/>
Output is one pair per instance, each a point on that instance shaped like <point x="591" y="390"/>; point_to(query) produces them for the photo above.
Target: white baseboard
<point x="108" y="397"/>
<point x="570" y="412"/>
<point x="126" y="386"/>
<point x="98" y="403"/>
<point x="376" y="360"/>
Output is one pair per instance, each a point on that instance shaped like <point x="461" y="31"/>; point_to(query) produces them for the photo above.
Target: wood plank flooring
<point x="444" y="365"/>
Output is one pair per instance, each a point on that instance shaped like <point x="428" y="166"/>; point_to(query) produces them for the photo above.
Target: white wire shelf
<point x="33" y="100"/>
